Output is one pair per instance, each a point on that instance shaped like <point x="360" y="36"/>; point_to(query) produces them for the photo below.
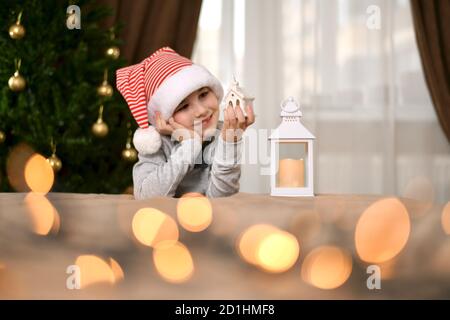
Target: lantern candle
<point x="291" y="173"/>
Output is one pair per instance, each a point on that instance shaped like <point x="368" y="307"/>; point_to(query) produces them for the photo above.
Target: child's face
<point x="201" y="106"/>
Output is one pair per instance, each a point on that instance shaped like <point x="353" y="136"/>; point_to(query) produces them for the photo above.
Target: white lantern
<point x="291" y="152"/>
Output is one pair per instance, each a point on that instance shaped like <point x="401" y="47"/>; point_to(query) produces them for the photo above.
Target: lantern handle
<point x="290" y="105"/>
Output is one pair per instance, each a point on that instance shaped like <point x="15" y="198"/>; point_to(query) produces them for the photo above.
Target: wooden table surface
<point x="34" y="266"/>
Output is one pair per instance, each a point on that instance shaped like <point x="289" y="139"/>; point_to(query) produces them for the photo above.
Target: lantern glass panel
<point x="292" y="164"/>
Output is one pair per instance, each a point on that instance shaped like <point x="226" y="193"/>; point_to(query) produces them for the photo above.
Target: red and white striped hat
<point x="159" y="83"/>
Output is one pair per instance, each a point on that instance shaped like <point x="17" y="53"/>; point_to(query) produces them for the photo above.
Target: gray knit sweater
<point x="212" y="168"/>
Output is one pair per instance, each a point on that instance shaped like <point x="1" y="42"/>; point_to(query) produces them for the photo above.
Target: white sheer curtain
<point x="354" y="67"/>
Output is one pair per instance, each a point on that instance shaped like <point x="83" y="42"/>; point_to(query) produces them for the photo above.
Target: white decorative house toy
<point x="238" y="97"/>
<point x="291" y="154"/>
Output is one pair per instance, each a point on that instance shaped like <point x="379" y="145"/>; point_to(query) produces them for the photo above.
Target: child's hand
<point x="235" y="122"/>
<point x="174" y="129"/>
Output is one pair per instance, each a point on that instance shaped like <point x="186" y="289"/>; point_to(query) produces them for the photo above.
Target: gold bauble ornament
<point x="17" y="31"/>
<point x="100" y="129"/>
<point x="105" y="89"/>
<point x="54" y="162"/>
<point x="113" y="52"/>
<point x="129" y="153"/>
<point x="2" y="137"/>
<point x="17" y="82"/>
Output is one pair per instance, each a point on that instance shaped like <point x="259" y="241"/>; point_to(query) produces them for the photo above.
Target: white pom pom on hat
<point x="147" y="141"/>
<point x="159" y="83"/>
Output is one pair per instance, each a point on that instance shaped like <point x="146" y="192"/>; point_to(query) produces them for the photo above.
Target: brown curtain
<point x="432" y="25"/>
<point x="152" y="24"/>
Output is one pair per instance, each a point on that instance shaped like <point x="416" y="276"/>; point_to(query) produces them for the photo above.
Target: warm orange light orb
<point x="43" y="215"/>
<point x="151" y="226"/>
<point x="173" y="262"/>
<point x="268" y="247"/>
<point x="39" y="175"/>
<point x="278" y="252"/>
<point x="382" y="231"/>
<point x="446" y="218"/>
<point x="194" y="212"/>
<point x="327" y="267"/>
<point x="94" y="270"/>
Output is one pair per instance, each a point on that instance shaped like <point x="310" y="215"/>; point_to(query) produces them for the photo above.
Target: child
<point x="185" y="148"/>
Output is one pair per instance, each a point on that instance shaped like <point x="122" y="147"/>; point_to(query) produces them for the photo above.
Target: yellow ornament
<point x="105" y="89"/>
<point x="17" y="83"/>
<point x="113" y="52"/>
<point x="2" y="137"/>
<point x="17" y="31"/>
<point x="54" y="162"/>
<point x="100" y="128"/>
<point x="129" y="154"/>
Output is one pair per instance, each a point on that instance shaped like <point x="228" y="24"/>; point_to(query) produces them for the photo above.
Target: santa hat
<point x="159" y="83"/>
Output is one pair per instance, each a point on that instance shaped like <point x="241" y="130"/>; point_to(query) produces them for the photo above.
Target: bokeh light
<point x="268" y="247"/>
<point x="249" y="241"/>
<point x="43" y="215"/>
<point x="94" y="270"/>
<point x="327" y="267"/>
<point x="278" y="252"/>
<point x="117" y="270"/>
<point x="445" y="218"/>
<point x="173" y="262"/>
<point x="15" y="166"/>
<point x="151" y="226"/>
<point x="382" y="231"/>
<point x="39" y="174"/>
<point x="194" y="212"/>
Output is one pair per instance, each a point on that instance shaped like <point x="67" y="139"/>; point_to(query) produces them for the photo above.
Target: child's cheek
<point x="182" y="119"/>
<point x="178" y="117"/>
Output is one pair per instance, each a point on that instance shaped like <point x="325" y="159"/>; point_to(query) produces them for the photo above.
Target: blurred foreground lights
<point x="151" y="226"/>
<point x="173" y="262"/>
<point x="446" y="218"/>
<point x="269" y="248"/>
<point x="194" y="212"/>
<point x="94" y="270"/>
<point x="382" y="231"/>
<point x="15" y="166"/>
<point x="39" y="174"/>
<point x="44" y="217"/>
<point x="327" y="267"/>
<point x="117" y="270"/>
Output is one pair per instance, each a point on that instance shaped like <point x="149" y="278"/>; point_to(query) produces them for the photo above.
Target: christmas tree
<point x="57" y="75"/>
